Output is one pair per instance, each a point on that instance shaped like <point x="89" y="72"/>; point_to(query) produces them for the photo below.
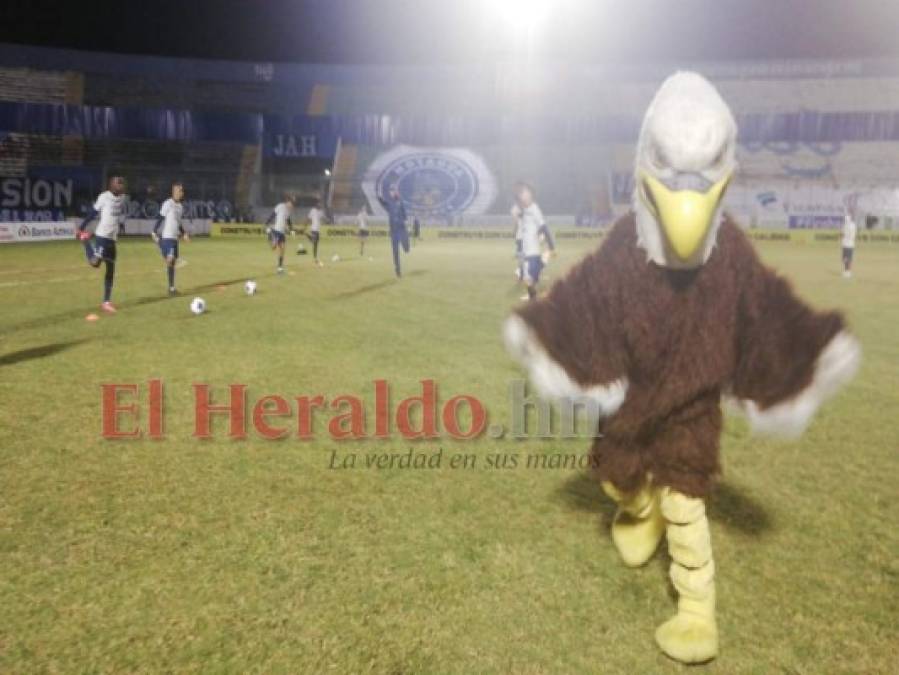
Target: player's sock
<point x="107" y="280"/>
<point x="532" y="293"/>
<point x="280" y="261"/>
<point x="170" y="271"/>
<point x="315" y="248"/>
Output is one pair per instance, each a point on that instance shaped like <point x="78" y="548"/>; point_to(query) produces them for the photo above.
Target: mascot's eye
<point x="659" y="158"/>
<point x="719" y="158"/>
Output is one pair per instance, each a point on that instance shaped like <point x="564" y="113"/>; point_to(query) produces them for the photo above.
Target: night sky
<point x="459" y="31"/>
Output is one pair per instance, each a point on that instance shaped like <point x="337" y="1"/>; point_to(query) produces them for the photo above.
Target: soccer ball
<point x="250" y="287"/>
<point x="301" y="250"/>
<point x="335" y="258"/>
<point x="198" y="305"/>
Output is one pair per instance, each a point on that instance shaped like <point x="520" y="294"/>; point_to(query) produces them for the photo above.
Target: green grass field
<point x="180" y="555"/>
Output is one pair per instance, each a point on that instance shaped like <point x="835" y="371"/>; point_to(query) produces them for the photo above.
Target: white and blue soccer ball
<point x="335" y="258"/>
<point x="250" y="287"/>
<point x="198" y="305"/>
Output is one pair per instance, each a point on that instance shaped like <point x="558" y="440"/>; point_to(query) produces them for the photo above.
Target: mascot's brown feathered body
<point x="674" y="311"/>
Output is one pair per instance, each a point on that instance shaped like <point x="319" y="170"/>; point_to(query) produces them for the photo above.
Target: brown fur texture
<point x="681" y="338"/>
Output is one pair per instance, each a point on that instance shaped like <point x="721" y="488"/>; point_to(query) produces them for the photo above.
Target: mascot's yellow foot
<point x="688" y="639"/>
<point x="638" y="526"/>
<point x="637" y="538"/>
<point x="691" y="636"/>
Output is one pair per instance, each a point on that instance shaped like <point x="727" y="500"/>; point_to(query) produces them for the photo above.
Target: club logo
<point x="431" y="184"/>
<point x="24" y="231"/>
<point x="437" y="183"/>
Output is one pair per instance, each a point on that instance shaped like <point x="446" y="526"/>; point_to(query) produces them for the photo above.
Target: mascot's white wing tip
<point x="550" y="378"/>
<point x="515" y="335"/>
<point x="836" y="365"/>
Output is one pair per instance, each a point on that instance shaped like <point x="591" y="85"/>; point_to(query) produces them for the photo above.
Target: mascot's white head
<point x="685" y="159"/>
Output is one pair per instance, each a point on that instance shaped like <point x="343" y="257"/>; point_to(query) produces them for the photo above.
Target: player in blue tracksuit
<point x="396" y="214"/>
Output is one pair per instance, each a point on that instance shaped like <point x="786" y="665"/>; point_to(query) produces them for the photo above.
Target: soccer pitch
<point x="253" y="555"/>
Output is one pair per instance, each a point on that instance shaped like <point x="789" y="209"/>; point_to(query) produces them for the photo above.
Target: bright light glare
<point x="522" y="16"/>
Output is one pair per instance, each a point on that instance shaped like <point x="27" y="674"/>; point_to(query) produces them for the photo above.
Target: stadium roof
<point x="459" y="31"/>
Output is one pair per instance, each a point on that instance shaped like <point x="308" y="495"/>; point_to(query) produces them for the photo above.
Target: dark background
<point x="459" y="31"/>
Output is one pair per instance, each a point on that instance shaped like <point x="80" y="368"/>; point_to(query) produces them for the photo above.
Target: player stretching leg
<point x="362" y="222"/>
<point x="111" y="207"/>
<point x="172" y="213"/>
<point x="278" y="231"/>
<point x="315" y="226"/>
<point x="533" y="230"/>
<point x="399" y="236"/>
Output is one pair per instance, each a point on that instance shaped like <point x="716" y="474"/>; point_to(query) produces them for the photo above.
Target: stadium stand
<point x="215" y="124"/>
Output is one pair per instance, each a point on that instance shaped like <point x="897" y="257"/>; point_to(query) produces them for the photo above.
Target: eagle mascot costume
<point x="673" y="312"/>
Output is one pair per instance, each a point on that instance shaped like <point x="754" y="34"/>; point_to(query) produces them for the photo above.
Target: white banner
<point x="36" y="231"/>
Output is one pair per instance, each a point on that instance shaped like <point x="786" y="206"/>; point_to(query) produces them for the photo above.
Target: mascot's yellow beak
<point x="685" y="215"/>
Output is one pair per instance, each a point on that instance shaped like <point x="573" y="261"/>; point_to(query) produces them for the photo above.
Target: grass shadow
<point x="731" y="506"/>
<point x="362" y="290"/>
<point x="516" y="291"/>
<point x="48" y="320"/>
<point x="151" y="299"/>
<point x="728" y="504"/>
<point x="60" y="317"/>
<point x="41" y="352"/>
<point x="581" y="492"/>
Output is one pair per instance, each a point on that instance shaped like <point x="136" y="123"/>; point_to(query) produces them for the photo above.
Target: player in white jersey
<point x="111" y="208"/>
<point x="362" y="222"/>
<point x="848" y="234"/>
<point x="519" y="256"/>
<point x="315" y="217"/>
<point x="280" y="223"/>
<point x="534" y="234"/>
<point x="171" y="217"/>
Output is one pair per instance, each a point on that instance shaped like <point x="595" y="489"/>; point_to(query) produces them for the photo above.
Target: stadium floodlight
<point x="521" y="16"/>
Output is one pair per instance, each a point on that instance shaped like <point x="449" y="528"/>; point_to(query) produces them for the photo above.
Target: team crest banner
<point x="434" y="183"/>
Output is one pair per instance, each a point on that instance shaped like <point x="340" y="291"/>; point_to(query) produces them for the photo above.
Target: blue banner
<point x="46" y="193"/>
